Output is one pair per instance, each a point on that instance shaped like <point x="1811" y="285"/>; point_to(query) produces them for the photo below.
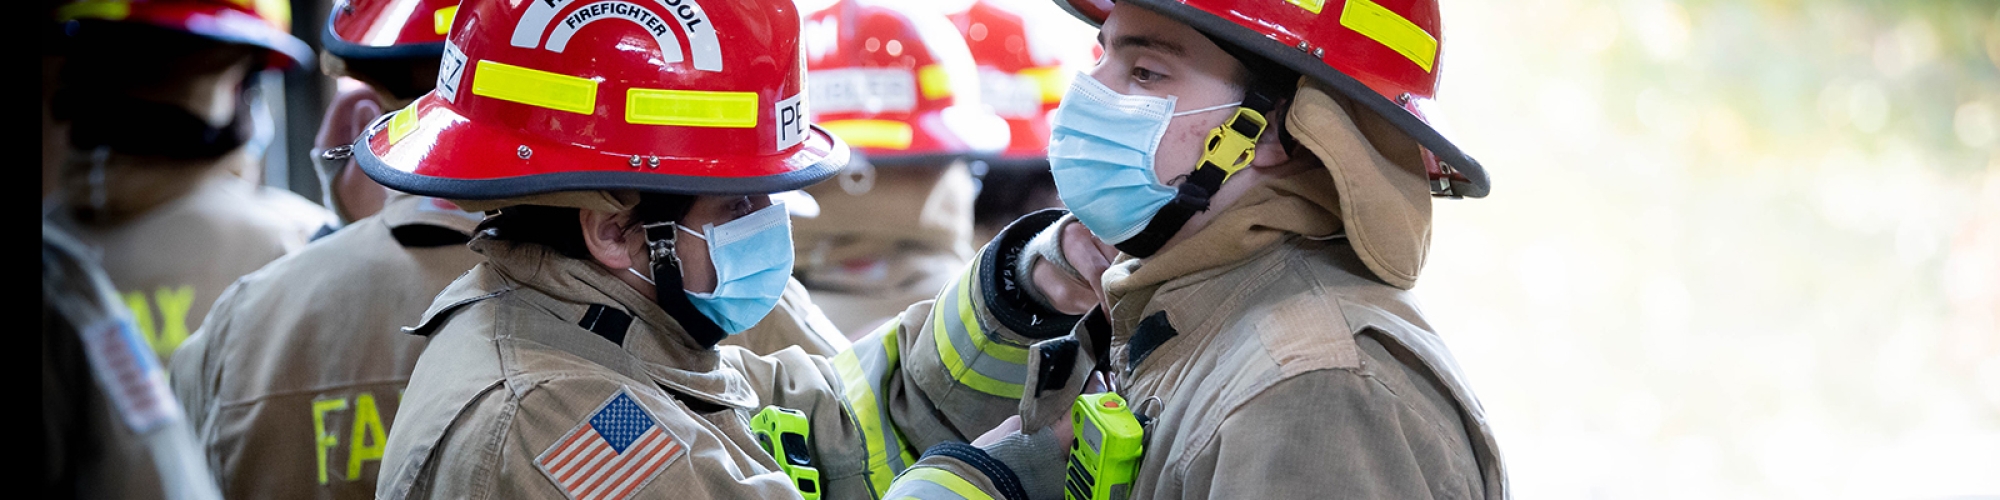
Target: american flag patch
<point x="131" y="377"/>
<point x="611" y="454"/>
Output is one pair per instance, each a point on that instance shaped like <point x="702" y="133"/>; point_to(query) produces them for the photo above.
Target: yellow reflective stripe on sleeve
<point x="969" y="317"/>
<point x="441" y="20"/>
<point x="400" y="125"/>
<point x="930" y="483"/>
<point x="1051" y="82"/>
<point x="985" y="365"/>
<point x="113" y="10"/>
<point x="935" y="83"/>
<point x="871" y="414"/>
<point x="884" y="134"/>
<point x="1391" y="30"/>
<point x="691" y="108"/>
<point x="534" y="87"/>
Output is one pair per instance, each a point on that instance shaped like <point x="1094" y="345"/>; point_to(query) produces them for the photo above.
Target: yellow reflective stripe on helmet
<point x="110" y="10"/>
<point x="1312" y="6"/>
<point x="691" y="108"/>
<point x="870" y="413"/>
<point x="400" y="125"/>
<point x="883" y="134"/>
<point x="931" y="483"/>
<point x="1052" y="82"/>
<point x="535" y="87"/>
<point x="1391" y="30"/>
<point x="934" y="81"/>
<point x="972" y="357"/>
<point x="276" y="12"/>
<point x="441" y="20"/>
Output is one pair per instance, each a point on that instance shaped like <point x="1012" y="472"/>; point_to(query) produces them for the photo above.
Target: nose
<point x="1104" y="72"/>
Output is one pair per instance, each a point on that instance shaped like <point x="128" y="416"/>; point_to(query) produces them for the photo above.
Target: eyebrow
<point x="1145" y="42"/>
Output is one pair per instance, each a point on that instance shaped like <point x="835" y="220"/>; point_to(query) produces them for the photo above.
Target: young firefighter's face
<point x="1146" y="53"/>
<point x="697" y="271"/>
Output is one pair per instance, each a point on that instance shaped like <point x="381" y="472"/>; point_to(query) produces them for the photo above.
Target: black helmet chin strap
<point x="1229" y="148"/>
<point x="668" y="291"/>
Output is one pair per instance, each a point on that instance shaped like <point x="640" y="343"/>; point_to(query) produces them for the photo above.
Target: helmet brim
<point x="221" y="24"/>
<point x="344" y="49"/>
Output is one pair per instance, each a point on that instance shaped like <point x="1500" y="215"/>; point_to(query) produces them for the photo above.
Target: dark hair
<point x="553" y="227"/>
<point x="559" y="229"/>
<point x="115" y="57"/>
<point x="403" y="78"/>
<point x="1267" y="85"/>
<point x="1265" y="82"/>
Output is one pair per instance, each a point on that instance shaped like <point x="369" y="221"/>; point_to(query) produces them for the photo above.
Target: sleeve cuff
<point x="1003" y="477"/>
<point x="1006" y="299"/>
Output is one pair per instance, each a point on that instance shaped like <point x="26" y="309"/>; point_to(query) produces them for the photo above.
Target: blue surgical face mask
<point x="1101" y="149"/>
<point x="752" y="256"/>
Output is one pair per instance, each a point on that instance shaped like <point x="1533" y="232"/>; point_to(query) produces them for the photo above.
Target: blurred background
<point x="1736" y="249"/>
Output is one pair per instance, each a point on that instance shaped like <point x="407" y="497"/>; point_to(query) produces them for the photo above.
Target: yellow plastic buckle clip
<point x="1234" y="144"/>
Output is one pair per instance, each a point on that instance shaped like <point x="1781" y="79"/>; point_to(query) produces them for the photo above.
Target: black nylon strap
<point x="1191" y="198"/>
<point x="668" y="293"/>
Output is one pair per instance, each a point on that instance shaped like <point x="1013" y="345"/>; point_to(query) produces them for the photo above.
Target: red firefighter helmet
<point x="897" y="83"/>
<point x="264" y="24"/>
<point x="1021" y="76"/>
<point x="696" y="97"/>
<point x="388" y="29"/>
<point x="1382" y="54"/>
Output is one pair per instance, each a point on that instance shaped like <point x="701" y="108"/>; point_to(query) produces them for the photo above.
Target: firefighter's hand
<point x="1037" y="458"/>
<point x="1073" y="280"/>
<point x="1064" y="432"/>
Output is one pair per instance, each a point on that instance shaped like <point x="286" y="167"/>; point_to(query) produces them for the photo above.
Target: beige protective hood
<point x="1385" y="197"/>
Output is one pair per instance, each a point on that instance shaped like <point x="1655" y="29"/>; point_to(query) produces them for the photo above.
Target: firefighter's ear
<point x="1271" y="149"/>
<point x="609" y="237"/>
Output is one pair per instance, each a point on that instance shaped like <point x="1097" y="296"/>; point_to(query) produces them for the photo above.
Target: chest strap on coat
<point x="1152" y="332"/>
<point x="1229" y="149"/>
<point x="606" y="322"/>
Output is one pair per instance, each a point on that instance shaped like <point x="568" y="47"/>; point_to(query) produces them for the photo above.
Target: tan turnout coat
<point x="530" y="346"/>
<point x="1274" y="359"/>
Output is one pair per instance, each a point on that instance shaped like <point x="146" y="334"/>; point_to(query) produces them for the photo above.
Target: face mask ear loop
<point x="647" y="279"/>
<point x="1178" y="114"/>
<point x="691" y="232"/>
<point x="669" y="292"/>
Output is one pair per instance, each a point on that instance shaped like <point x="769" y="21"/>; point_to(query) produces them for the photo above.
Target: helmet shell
<point x="1020" y="76"/>
<point x="696" y="97"/>
<point x="388" y="29"/>
<point x="1382" y="54"/>
<point x="264" y="24"/>
<point x="897" y="83"/>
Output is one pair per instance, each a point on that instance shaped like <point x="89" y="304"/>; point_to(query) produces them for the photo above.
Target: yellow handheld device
<point x="782" y="432"/>
<point x="1105" y="456"/>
